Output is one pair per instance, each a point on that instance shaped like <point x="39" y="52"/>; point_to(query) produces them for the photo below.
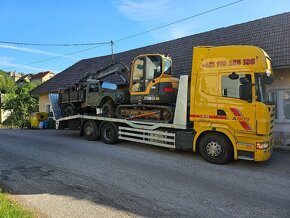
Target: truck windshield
<point x="107" y="85"/>
<point x="262" y="83"/>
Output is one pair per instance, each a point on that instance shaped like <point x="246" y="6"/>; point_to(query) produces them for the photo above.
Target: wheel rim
<point x="166" y="115"/>
<point x="214" y="149"/>
<point x="108" y="134"/>
<point x="89" y="131"/>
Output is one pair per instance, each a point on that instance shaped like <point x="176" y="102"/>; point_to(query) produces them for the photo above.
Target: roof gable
<point x="41" y="75"/>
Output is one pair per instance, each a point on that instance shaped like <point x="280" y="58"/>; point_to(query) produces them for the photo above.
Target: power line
<point x="178" y="21"/>
<point x="55" y="45"/>
<point x="60" y="56"/>
<point x="124" y="38"/>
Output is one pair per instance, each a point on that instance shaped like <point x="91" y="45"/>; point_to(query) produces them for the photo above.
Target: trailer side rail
<point x="158" y="138"/>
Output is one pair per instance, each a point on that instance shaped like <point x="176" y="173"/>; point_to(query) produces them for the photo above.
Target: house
<point x="270" y="33"/>
<point x="15" y="76"/>
<point x="41" y="77"/>
<point x="24" y="79"/>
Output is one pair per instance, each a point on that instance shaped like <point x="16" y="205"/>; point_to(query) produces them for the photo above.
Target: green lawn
<point x="8" y="209"/>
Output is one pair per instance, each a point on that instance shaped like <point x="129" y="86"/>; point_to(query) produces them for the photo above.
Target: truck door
<point x="92" y="96"/>
<point x="138" y="77"/>
<point x="235" y="102"/>
<point x="205" y="102"/>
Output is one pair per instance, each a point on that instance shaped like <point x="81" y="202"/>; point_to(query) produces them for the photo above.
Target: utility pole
<point x="112" y="50"/>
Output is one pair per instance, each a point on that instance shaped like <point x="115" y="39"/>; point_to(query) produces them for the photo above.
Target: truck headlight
<point x="262" y="145"/>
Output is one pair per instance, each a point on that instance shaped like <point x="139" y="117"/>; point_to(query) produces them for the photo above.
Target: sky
<point x="98" y="21"/>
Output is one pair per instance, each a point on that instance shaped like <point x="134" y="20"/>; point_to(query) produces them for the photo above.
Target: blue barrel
<point x="45" y="124"/>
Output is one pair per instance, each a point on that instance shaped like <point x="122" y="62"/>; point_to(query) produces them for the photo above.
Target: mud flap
<point x="184" y="140"/>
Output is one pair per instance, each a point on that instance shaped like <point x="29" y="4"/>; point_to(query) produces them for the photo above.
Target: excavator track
<point x="146" y="112"/>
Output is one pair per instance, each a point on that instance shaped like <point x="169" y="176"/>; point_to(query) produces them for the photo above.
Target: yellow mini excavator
<point x="153" y="90"/>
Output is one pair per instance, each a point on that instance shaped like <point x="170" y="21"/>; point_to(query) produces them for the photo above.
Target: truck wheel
<point x="109" y="133"/>
<point x="216" y="148"/>
<point x="69" y="110"/>
<point x="108" y="109"/>
<point x="91" y="131"/>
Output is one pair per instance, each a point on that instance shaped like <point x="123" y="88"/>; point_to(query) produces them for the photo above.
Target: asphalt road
<point x="60" y="174"/>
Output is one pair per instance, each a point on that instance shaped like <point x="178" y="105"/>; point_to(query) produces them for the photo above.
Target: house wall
<point x="280" y="91"/>
<point x="43" y="79"/>
<point x="43" y="102"/>
<point x="3" y="114"/>
<point x="47" y="77"/>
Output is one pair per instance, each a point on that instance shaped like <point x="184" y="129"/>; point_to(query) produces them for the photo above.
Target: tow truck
<point x="222" y="110"/>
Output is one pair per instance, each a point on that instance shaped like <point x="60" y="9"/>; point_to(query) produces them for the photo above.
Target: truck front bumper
<point x="263" y="155"/>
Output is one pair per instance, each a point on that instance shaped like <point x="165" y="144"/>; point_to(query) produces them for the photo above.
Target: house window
<point x="286" y="104"/>
<point x="274" y="97"/>
<point x="281" y="100"/>
<point x="47" y="108"/>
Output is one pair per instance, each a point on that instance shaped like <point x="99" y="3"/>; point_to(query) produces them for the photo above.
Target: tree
<point x="21" y="104"/>
<point x="7" y="85"/>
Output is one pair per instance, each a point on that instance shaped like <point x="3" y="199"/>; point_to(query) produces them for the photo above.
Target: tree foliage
<point x="21" y="104"/>
<point x="7" y="85"/>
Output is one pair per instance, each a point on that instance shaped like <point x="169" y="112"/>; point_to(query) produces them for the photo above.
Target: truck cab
<point x="229" y="97"/>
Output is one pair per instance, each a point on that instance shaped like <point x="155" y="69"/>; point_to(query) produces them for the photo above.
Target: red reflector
<point x="168" y="89"/>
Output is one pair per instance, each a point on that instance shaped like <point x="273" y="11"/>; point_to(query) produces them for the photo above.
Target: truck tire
<point x="69" y="110"/>
<point x="216" y="148"/>
<point x="108" y="109"/>
<point x="109" y="133"/>
<point x="91" y="130"/>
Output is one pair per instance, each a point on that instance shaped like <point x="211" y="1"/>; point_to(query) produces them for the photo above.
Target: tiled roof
<point x="270" y="33"/>
<point x="40" y="75"/>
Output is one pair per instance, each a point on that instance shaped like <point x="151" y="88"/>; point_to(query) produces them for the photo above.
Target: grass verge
<point x="10" y="209"/>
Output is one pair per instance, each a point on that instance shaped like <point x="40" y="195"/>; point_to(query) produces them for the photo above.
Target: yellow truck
<point x="222" y="111"/>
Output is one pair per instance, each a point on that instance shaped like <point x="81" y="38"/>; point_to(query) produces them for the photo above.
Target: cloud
<point x="7" y="62"/>
<point x="155" y="13"/>
<point x="182" y="29"/>
<point x="144" y="10"/>
<point x="35" y="51"/>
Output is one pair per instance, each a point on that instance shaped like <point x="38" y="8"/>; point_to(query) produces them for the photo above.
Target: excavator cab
<point x="151" y="80"/>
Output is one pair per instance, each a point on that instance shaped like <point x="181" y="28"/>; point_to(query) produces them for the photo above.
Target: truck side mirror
<point x="233" y="76"/>
<point x="268" y="79"/>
